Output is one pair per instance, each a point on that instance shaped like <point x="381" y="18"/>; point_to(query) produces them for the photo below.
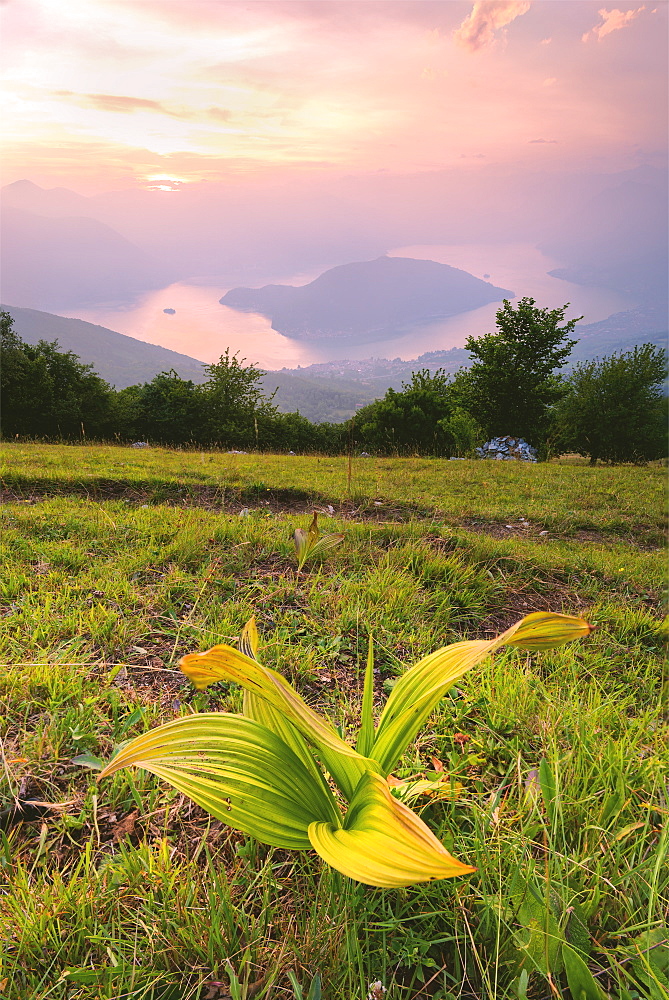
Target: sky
<point x="103" y="95"/>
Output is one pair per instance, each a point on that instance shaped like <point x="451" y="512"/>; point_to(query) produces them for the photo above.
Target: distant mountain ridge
<point x="608" y="230"/>
<point x="367" y="300"/>
<point x="618" y="240"/>
<point x="56" y="263"/>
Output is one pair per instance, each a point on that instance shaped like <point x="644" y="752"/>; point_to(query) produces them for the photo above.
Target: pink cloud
<point x="612" y="20"/>
<point x="477" y="31"/>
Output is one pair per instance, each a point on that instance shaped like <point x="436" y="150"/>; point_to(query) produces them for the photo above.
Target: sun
<point x="158" y="182"/>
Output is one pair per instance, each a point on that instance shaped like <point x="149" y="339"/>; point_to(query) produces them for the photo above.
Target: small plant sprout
<point x="264" y="772"/>
<point x="309" y="541"/>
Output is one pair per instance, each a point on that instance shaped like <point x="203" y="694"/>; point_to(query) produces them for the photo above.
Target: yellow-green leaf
<point x="309" y="542"/>
<point x="239" y="771"/>
<point x="249" y="642"/>
<point x="382" y="842"/>
<point x="227" y="663"/>
<point x="259" y="709"/>
<point x="418" y="691"/>
<point x="301" y="541"/>
<point x="366" y="734"/>
<point x="544" y="630"/>
<point x="326" y="542"/>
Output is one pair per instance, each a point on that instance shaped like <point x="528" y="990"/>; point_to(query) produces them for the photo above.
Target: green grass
<point x="117" y="562"/>
<point x="566" y="496"/>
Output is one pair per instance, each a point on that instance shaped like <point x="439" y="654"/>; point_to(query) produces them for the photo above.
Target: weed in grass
<point x="311" y="542"/>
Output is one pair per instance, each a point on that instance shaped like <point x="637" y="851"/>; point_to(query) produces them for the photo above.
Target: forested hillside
<point x="611" y="409"/>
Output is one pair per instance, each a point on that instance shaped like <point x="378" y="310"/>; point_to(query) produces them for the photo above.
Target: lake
<point x="202" y="328"/>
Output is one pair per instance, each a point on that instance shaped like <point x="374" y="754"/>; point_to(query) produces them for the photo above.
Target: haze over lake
<point x="202" y="328"/>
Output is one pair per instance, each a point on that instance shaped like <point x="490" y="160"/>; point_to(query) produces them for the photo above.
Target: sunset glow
<point x="113" y="93"/>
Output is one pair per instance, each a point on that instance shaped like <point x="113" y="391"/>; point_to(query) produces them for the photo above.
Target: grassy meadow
<point x="117" y="562"/>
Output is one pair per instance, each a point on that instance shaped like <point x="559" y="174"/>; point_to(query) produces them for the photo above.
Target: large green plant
<point x="264" y="772"/>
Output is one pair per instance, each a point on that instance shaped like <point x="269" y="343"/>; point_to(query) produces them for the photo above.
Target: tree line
<point x="613" y="409"/>
<point x="50" y="394"/>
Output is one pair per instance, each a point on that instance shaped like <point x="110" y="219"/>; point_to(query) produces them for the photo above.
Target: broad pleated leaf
<point x="326" y="542"/>
<point x="420" y="689"/>
<point x="305" y="539"/>
<point x="301" y="542"/>
<point x="237" y="770"/>
<point x="259" y="709"/>
<point x="544" y="630"/>
<point x="382" y="842"/>
<point x="226" y="663"/>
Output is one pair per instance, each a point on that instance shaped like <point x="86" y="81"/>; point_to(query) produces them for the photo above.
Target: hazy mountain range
<point x="326" y="391"/>
<point x="62" y="250"/>
<point x="368" y="300"/>
<point x="58" y="263"/>
<point x="618" y="242"/>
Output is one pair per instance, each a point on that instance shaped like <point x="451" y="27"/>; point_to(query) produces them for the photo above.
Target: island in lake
<point x="367" y="300"/>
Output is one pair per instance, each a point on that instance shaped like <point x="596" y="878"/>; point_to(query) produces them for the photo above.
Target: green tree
<point x="615" y="409"/>
<point x="414" y="420"/>
<point x="513" y="383"/>
<point x="128" y="413"/>
<point x="230" y="410"/>
<point x="464" y="432"/>
<point x="293" y="432"/>
<point x="168" y="409"/>
<point x="236" y="410"/>
<point x="16" y="389"/>
<point x="49" y="393"/>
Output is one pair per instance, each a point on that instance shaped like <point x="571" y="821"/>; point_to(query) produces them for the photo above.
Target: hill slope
<point x="118" y="359"/>
<point x="620" y="332"/>
<point x="123" y="361"/>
